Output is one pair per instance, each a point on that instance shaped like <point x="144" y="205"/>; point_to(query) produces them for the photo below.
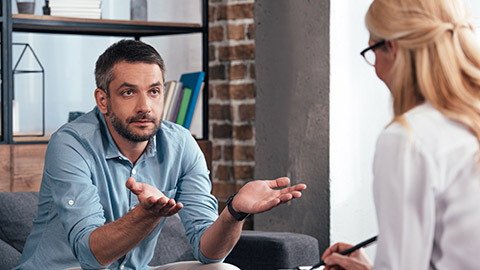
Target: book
<point x="177" y="106"/>
<point x="184" y="104"/>
<point x="75" y="5"/>
<point x="77" y="15"/>
<point x="71" y="3"/>
<point x="169" y="89"/>
<point x="196" y="127"/>
<point x="192" y="81"/>
<point x="75" y="9"/>
<point x="199" y="104"/>
<point x="173" y="101"/>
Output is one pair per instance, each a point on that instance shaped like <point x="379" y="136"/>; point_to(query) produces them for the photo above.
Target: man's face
<point x="135" y="105"/>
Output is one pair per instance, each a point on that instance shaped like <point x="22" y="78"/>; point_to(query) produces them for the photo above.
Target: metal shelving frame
<point x="76" y="26"/>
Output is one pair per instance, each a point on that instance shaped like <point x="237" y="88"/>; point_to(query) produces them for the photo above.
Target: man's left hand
<point x="262" y="195"/>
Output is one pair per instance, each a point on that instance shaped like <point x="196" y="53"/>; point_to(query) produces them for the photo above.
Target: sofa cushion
<point x="172" y="245"/>
<point x="274" y="250"/>
<point x="9" y="256"/>
<point x="17" y="211"/>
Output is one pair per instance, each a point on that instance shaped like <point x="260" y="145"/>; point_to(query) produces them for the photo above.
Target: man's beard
<point x="129" y="134"/>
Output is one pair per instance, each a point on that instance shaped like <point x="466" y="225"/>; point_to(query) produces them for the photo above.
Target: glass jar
<point x="138" y="10"/>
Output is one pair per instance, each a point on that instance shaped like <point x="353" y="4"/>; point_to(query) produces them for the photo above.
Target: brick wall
<point x="232" y="94"/>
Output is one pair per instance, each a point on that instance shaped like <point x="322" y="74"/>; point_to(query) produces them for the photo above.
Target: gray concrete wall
<point x="292" y="110"/>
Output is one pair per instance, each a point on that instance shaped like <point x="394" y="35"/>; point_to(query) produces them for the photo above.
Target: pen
<point x="350" y="250"/>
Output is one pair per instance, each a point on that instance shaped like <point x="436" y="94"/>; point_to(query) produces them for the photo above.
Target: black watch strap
<point x="239" y="216"/>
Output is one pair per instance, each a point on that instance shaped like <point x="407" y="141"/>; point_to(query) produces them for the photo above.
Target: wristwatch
<point x="239" y="216"/>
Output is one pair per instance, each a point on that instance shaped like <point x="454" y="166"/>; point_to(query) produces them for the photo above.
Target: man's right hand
<point x="115" y="239"/>
<point x="152" y="200"/>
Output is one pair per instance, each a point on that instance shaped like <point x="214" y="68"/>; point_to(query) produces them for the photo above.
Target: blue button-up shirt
<point x="83" y="188"/>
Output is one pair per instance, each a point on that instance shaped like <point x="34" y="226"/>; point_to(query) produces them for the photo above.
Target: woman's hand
<point x="356" y="260"/>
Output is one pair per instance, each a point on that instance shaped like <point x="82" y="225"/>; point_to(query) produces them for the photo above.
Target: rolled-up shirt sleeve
<point x="194" y="191"/>
<point x="76" y="198"/>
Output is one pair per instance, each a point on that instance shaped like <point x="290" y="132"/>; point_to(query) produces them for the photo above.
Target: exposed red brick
<point x="237" y="72"/>
<point x="222" y="16"/>
<point x="234" y="12"/>
<point x="246" y="112"/>
<point x="210" y="91"/>
<point x="211" y="53"/>
<point x="220" y="112"/>
<point x="239" y="184"/>
<point x="228" y="152"/>
<point x="215" y="33"/>
<point x="242" y="91"/>
<point x="243" y="132"/>
<point x="223" y="190"/>
<point x="236" y="31"/>
<point x="216" y="152"/>
<point x="211" y="13"/>
<point x="222" y="131"/>
<point x="221" y="13"/>
<point x="223" y="172"/>
<point x="243" y="172"/>
<point x="244" y="153"/>
<point x="239" y="52"/>
<point x="251" y="31"/>
<point x="222" y="91"/>
<point x="217" y="72"/>
<point x="252" y="71"/>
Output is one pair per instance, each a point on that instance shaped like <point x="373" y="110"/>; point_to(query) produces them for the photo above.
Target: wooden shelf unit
<point x="79" y="26"/>
<point x="22" y="158"/>
<point x="27" y="23"/>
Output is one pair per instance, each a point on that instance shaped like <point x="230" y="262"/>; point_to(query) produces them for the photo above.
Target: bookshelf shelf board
<point x="80" y="26"/>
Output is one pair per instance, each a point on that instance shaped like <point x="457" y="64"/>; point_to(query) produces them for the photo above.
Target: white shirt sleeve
<point x="405" y="201"/>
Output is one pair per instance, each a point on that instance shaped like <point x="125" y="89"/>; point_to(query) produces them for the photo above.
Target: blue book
<point x="194" y="82"/>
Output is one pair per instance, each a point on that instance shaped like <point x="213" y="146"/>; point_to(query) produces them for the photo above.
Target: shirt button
<point x="134" y="171"/>
<point x="70" y="202"/>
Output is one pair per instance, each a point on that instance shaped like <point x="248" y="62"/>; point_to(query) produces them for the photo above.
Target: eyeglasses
<point x="369" y="53"/>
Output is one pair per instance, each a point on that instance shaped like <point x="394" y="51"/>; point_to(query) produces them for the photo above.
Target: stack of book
<point x="90" y="9"/>
<point x="182" y="97"/>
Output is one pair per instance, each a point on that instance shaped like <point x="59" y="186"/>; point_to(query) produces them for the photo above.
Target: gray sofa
<point x="255" y="250"/>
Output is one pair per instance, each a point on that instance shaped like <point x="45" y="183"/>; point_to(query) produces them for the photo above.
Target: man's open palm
<point x="153" y="200"/>
<point x="262" y="195"/>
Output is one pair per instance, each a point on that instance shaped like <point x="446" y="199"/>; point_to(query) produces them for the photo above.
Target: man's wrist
<point x="239" y="216"/>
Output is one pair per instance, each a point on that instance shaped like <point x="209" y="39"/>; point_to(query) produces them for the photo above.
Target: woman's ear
<point x="392" y="47"/>
<point x="101" y="100"/>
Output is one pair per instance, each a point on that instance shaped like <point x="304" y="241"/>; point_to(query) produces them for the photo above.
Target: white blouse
<point x="427" y="194"/>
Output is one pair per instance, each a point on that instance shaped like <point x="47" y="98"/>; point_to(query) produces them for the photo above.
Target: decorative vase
<point x="26" y="6"/>
<point x="138" y="10"/>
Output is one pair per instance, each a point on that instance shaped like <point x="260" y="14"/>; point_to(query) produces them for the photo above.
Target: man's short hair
<point x="130" y="51"/>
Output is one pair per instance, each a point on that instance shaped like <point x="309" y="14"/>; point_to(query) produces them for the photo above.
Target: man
<point x="89" y="217"/>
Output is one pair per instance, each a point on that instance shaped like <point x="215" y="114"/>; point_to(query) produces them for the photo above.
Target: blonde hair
<point x="438" y="57"/>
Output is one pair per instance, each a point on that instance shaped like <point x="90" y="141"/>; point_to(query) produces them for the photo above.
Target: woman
<point x="426" y="167"/>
